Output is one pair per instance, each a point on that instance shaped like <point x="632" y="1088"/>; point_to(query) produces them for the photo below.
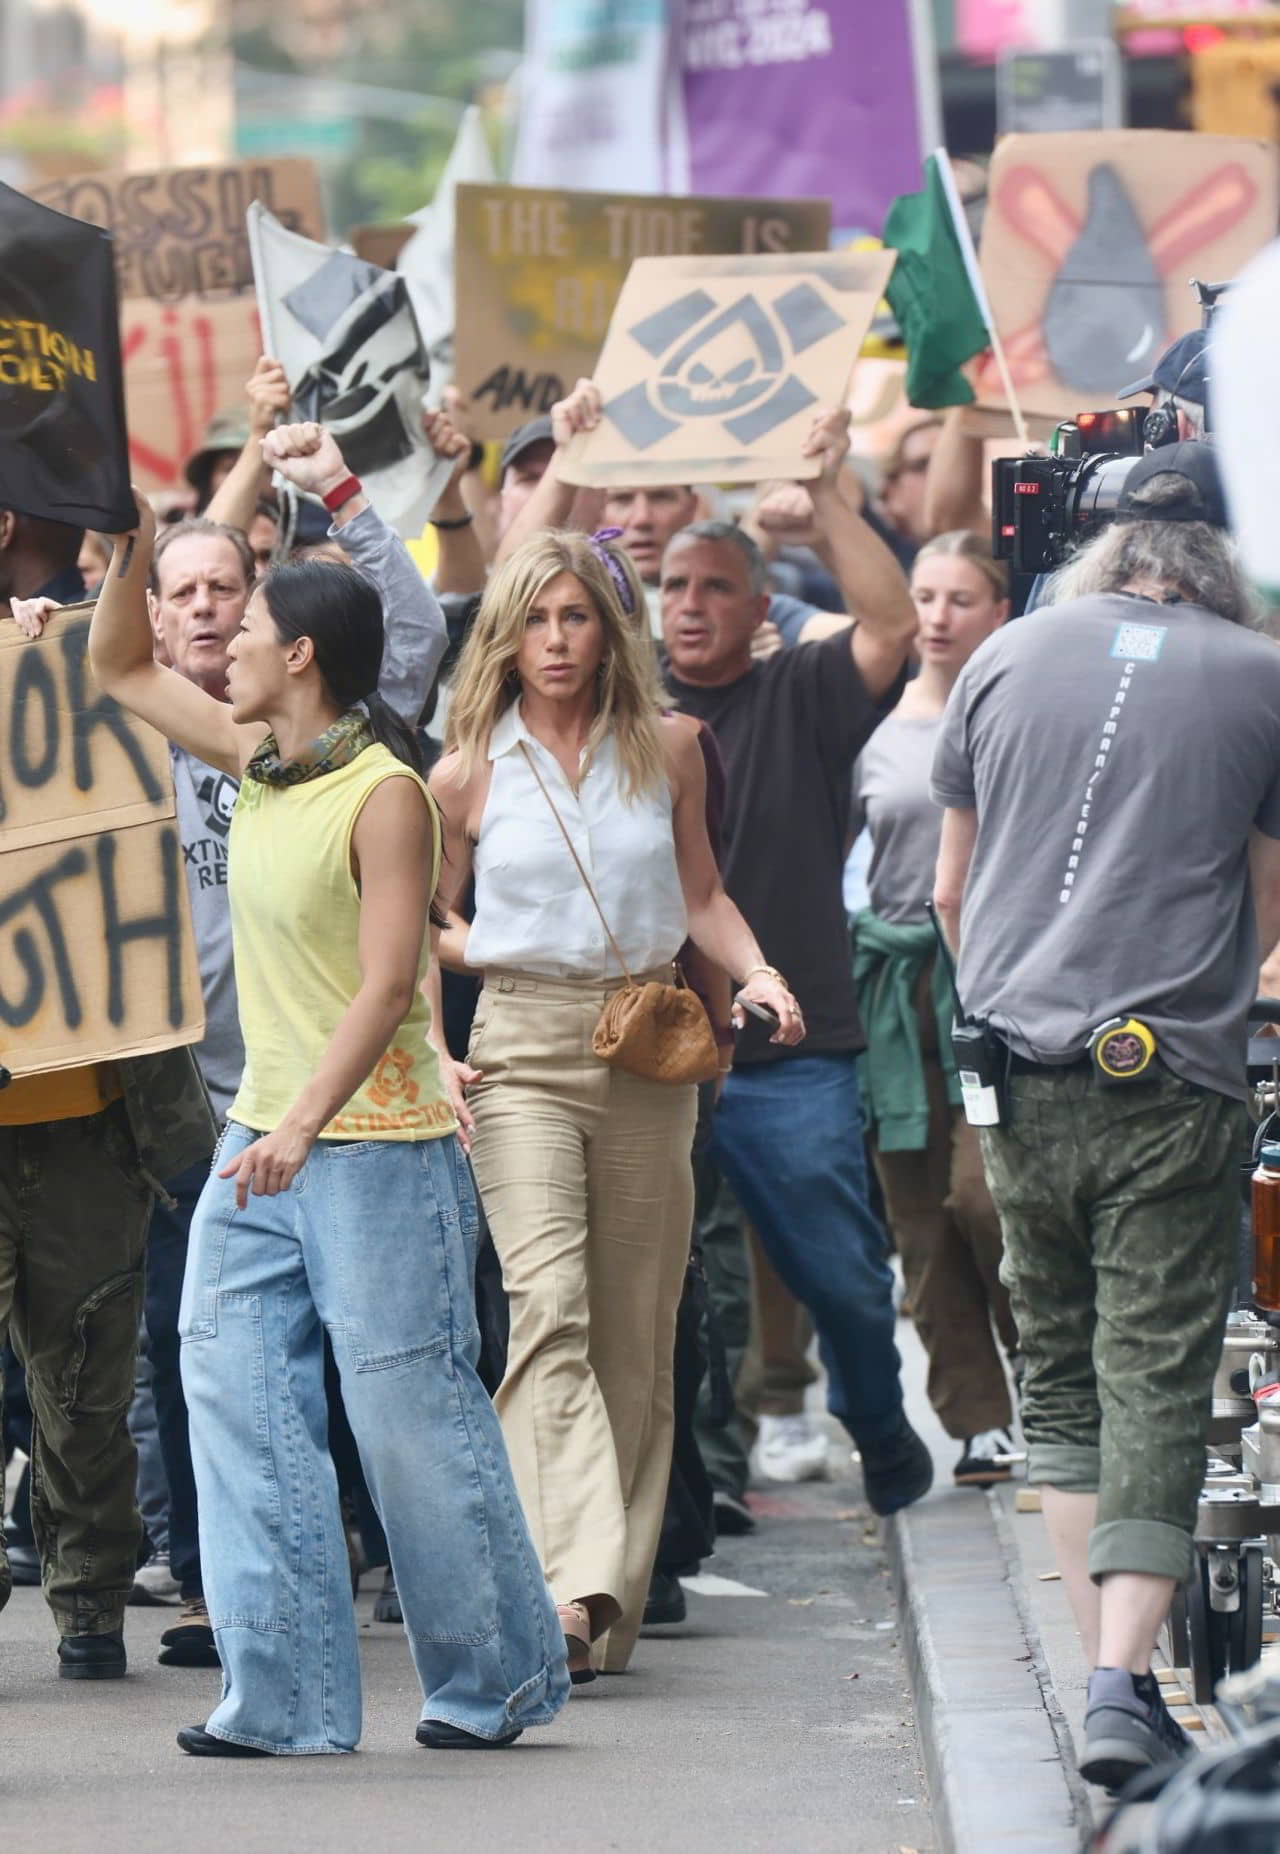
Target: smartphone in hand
<point x="762" y="1011"/>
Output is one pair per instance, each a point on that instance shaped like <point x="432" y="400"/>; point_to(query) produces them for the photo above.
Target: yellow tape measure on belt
<point x="1123" y="1049"/>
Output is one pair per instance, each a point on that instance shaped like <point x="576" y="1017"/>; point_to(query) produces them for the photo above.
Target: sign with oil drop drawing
<point x="713" y="368"/>
<point x="1089" y="245"/>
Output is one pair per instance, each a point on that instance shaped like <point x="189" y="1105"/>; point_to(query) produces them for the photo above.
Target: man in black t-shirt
<point x="789" y="1128"/>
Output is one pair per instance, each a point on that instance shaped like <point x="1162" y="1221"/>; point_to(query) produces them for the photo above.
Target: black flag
<point x="63" y="444"/>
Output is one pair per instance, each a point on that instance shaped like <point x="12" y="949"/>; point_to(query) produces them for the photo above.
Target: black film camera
<point x="1044" y="507"/>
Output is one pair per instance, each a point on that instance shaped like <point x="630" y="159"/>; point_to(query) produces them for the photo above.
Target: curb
<point x="997" y="1748"/>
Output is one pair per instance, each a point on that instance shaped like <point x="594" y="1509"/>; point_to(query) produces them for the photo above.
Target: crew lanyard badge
<point x="975" y="1049"/>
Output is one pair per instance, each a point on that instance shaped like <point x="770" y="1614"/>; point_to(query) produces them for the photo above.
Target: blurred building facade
<point x="374" y="92"/>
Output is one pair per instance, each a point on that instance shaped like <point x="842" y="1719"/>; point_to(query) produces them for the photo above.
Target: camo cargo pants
<point x="74" y="1210"/>
<point x="1120" y="1208"/>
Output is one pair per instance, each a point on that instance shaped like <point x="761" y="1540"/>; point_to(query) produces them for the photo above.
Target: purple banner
<point x="802" y="99"/>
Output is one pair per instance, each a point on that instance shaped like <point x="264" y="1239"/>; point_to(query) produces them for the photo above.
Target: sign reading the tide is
<point x="539" y="272"/>
<point x="97" y="956"/>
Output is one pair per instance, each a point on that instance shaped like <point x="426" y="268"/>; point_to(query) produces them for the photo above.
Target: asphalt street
<point x="768" y="1721"/>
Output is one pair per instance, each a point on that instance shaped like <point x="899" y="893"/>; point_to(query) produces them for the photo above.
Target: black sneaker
<point x="988" y="1458"/>
<point x="665" y="1602"/>
<point x="1128" y="1728"/>
<point x="733" y="1517"/>
<point x="896" y="1471"/>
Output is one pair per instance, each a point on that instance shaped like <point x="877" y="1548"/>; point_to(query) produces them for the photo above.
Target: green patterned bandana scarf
<point x="337" y="746"/>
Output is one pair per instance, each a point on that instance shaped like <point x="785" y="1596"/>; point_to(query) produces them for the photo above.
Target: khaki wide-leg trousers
<point x="586" y="1180"/>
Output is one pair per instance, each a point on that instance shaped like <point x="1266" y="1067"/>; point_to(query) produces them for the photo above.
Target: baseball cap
<point x="1181" y="369"/>
<point x="1202" y="497"/>
<point x="227" y="431"/>
<point x="537" y="431"/>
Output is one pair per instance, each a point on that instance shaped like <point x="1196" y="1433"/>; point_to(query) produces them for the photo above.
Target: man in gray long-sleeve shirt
<point x="203" y="575"/>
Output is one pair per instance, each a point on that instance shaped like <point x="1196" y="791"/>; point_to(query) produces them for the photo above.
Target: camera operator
<point x="1178" y="384"/>
<point x="1111" y="772"/>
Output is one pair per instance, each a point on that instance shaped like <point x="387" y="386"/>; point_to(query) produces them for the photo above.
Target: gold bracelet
<point x="769" y="972"/>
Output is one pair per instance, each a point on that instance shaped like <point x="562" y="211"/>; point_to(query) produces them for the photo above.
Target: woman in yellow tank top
<point x="340" y="1198"/>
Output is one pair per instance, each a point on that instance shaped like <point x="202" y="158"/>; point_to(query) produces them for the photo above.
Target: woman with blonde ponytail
<point x="926" y="1153"/>
<point x="584" y="1169"/>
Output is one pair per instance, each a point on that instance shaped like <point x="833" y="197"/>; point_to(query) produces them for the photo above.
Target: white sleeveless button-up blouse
<point x="533" y="913"/>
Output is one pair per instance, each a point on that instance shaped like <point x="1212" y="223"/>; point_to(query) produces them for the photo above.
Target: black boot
<point x="665" y="1602"/>
<point x="92" y="1657"/>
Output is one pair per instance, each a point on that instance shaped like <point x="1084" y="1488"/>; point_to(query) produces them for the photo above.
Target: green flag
<point x="932" y="291"/>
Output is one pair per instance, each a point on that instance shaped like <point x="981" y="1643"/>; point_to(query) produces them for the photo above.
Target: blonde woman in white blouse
<point x="584" y="1170"/>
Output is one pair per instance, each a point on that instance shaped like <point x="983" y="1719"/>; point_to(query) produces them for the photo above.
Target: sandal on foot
<point x="576" y="1624"/>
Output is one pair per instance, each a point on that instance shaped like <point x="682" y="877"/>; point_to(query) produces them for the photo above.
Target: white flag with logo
<point x="345" y="334"/>
<point x="426" y="261"/>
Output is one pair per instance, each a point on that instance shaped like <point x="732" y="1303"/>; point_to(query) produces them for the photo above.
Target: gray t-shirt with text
<point x="1117" y="753"/>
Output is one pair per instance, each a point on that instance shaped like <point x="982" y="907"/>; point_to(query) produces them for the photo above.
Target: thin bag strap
<point x="586" y="880"/>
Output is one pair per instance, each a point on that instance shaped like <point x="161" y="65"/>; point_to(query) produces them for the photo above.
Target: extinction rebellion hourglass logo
<point x="714" y="367"/>
<point x="731" y="364"/>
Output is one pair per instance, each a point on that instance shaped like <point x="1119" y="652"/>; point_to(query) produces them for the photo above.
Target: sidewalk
<point x="998" y="1677"/>
<point x="997" y="1674"/>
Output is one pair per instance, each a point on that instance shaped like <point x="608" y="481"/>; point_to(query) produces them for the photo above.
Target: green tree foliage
<point x="381" y="157"/>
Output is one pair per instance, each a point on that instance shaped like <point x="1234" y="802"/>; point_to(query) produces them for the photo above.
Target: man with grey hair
<point x="788" y="1133"/>
<point x="1110" y="862"/>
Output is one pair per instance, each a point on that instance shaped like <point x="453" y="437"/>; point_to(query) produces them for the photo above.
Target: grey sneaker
<point x="1128" y="1728"/>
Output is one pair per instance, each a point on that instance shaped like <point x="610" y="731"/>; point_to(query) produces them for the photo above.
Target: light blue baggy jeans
<point x="375" y="1242"/>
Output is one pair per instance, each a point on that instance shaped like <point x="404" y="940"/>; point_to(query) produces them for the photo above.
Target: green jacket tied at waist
<point x="887" y="963"/>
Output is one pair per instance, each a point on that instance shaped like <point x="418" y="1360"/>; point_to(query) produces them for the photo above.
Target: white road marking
<point x="706" y="1583"/>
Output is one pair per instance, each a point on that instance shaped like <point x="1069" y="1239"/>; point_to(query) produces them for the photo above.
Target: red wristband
<point x="345" y="491"/>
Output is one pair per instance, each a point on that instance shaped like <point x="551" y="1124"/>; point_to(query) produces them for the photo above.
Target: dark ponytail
<point x="394" y="733"/>
<point x="341" y="612"/>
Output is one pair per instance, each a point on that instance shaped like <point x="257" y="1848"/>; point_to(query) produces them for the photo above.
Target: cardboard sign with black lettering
<point x="188" y="319"/>
<point x="714" y="367"/>
<point x="1088" y="246"/>
<point x="62" y="434"/>
<point x="97" y="955"/>
<point x="538" y="273"/>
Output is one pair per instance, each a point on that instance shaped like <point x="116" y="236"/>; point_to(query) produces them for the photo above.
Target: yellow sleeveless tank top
<point x="295" y="921"/>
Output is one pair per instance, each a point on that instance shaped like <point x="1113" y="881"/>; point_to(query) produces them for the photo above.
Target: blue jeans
<point x="166" y="1262"/>
<point x="375" y="1241"/>
<point x="789" y="1139"/>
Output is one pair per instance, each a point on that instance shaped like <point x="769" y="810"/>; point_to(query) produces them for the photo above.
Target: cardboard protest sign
<point x="188" y="320"/>
<point x="1088" y="246"/>
<point x="381" y="244"/>
<point x="879" y="406"/>
<point x="714" y="367"/>
<point x="62" y="434"/>
<point x="345" y="334"/>
<point x="97" y="956"/>
<point x="538" y="273"/>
